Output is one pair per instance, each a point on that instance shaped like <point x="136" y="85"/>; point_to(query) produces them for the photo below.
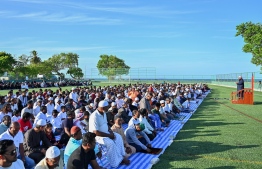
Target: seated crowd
<point x="71" y="129"/>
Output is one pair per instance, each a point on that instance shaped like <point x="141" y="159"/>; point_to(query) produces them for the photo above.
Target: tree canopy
<point x="7" y="62"/>
<point x="33" y="65"/>
<point x="252" y="35"/>
<point x="112" y="66"/>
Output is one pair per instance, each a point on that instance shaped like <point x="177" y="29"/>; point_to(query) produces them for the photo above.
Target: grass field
<point x="218" y="137"/>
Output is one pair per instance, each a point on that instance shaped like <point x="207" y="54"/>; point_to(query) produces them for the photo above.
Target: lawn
<point x="218" y="137"/>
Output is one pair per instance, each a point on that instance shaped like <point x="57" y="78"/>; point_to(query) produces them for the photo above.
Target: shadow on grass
<point x="257" y="103"/>
<point x="192" y="150"/>
<point x="223" y="167"/>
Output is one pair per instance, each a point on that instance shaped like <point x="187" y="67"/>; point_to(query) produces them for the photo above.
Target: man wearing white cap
<point x="52" y="159"/>
<point x="105" y="136"/>
<point x="50" y="107"/>
<point x="90" y="108"/>
<point x="36" y="142"/>
<point x="37" y="106"/>
<point x="119" y="101"/>
<point x="73" y="95"/>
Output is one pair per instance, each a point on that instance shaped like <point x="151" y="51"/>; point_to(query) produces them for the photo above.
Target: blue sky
<point x="176" y="37"/>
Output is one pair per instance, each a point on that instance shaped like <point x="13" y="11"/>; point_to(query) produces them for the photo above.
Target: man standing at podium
<point x="240" y="86"/>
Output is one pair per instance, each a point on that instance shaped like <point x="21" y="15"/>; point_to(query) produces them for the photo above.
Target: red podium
<point x="248" y="95"/>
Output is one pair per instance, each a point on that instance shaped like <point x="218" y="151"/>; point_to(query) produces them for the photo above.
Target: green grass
<point x="217" y="137"/>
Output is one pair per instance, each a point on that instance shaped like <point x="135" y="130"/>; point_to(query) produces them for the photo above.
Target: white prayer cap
<point x="162" y="101"/>
<point x="113" y="104"/>
<point x="41" y="122"/>
<point x="73" y="88"/>
<point x="91" y="104"/>
<point x="136" y="99"/>
<point x="50" y="98"/>
<point x="118" y="95"/>
<point x="103" y="103"/>
<point x="39" y="100"/>
<point x="52" y="152"/>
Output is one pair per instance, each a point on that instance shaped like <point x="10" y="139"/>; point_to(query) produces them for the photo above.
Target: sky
<point x="171" y="37"/>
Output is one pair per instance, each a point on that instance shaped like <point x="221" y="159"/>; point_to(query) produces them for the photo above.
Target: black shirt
<point x="80" y="159"/>
<point x="68" y="123"/>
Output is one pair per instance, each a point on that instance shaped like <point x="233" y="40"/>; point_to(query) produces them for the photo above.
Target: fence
<point x="230" y="79"/>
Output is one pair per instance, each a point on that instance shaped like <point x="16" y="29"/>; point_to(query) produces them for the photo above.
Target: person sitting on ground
<point x="125" y="112"/>
<point x="78" y="122"/>
<point x="62" y="113"/>
<point x="14" y="134"/>
<point x="105" y="136"/>
<point x="25" y="123"/>
<point x="50" y="135"/>
<point x="89" y="108"/>
<point x="67" y="124"/>
<point x="28" y="108"/>
<point x="56" y="123"/>
<point x="6" y="111"/>
<point x="84" y="154"/>
<point x="164" y="119"/>
<point x="37" y="107"/>
<point x="136" y="102"/>
<point x="149" y="130"/>
<point x="111" y="116"/>
<point x="35" y="142"/>
<point x="163" y="112"/>
<point x="41" y="114"/>
<point x="137" y="138"/>
<point x="74" y="142"/>
<point x="6" y="121"/>
<point x="8" y="158"/>
<point x="16" y="116"/>
<point x="117" y="127"/>
<point x="52" y="160"/>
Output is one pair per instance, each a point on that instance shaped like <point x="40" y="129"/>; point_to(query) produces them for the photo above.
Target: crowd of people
<point x="6" y="85"/>
<point x="55" y="129"/>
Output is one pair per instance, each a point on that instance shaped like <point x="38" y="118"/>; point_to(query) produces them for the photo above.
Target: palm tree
<point x="34" y="58"/>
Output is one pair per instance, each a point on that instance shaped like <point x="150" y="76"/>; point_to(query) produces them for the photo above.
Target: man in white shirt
<point x="41" y="115"/>
<point x="37" y="107"/>
<point x="119" y="101"/>
<point x="62" y="113"/>
<point x="23" y="98"/>
<point x="50" y="106"/>
<point x="105" y="136"/>
<point x="28" y="108"/>
<point x="14" y="134"/>
<point x="73" y="95"/>
<point x="58" y="105"/>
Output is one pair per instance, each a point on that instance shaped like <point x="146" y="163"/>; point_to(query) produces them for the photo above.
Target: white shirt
<point x="3" y="114"/>
<point x="14" y="118"/>
<point x="56" y="122"/>
<point x="133" y="121"/>
<point x="15" y="165"/>
<point x="14" y="107"/>
<point x="23" y="100"/>
<point x="119" y="103"/>
<point x="135" y="104"/>
<point x="98" y="122"/>
<point x="73" y="96"/>
<point x="62" y="115"/>
<point x="50" y="108"/>
<point x="58" y="106"/>
<point x="162" y="110"/>
<point x="148" y="128"/>
<point x="39" y="116"/>
<point x="26" y="110"/>
<point x="18" y="139"/>
<point x="36" y="110"/>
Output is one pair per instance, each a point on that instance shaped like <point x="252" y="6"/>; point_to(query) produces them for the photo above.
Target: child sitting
<point x="16" y="116"/>
<point x="56" y="122"/>
<point x="50" y="135"/>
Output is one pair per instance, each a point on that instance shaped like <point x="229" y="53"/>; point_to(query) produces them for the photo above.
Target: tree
<point x="63" y="61"/>
<point x="252" y="34"/>
<point x="75" y="72"/>
<point x="34" y="58"/>
<point x="112" y="66"/>
<point x="7" y="62"/>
